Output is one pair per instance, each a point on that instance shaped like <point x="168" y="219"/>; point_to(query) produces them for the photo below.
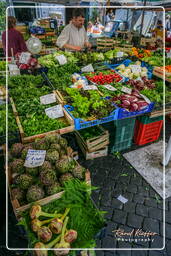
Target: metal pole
<point x="142" y="20"/>
<point x="167" y="153"/>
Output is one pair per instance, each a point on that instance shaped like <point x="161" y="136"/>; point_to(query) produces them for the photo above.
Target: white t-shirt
<point x="72" y="35"/>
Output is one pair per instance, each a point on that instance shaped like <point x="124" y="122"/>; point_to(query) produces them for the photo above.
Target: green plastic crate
<point x="123" y="134"/>
<point x="148" y="120"/>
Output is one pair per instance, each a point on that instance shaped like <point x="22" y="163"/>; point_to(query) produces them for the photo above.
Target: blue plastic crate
<point x="123" y="113"/>
<point x="82" y="124"/>
<point x="126" y="63"/>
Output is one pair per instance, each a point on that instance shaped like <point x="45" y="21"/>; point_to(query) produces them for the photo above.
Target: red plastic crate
<point x="146" y="133"/>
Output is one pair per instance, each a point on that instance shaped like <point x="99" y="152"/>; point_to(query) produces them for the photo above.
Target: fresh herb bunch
<point x="2" y="65"/>
<point x="90" y="132"/>
<point x="83" y="215"/>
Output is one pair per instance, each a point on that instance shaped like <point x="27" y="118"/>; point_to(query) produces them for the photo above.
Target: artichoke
<point x="65" y="177"/>
<point x="48" y="177"/>
<point x="17" y="193"/>
<point x="16" y="149"/>
<point x="65" y="165"/>
<point x="17" y="166"/>
<point x="53" y="189"/>
<point x="41" y="144"/>
<point x="52" y="155"/>
<point x="52" y="138"/>
<point x="24" y="181"/>
<point x="56" y="226"/>
<point x="70" y="236"/>
<point x="63" y="142"/>
<point x="62" y="153"/>
<point x="34" y="193"/>
<point x="45" y="166"/>
<point x="32" y="171"/>
<point x="55" y="146"/>
<point x="79" y="172"/>
<point x="25" y="150"/>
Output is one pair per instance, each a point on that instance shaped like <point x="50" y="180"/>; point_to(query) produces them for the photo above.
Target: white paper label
<point x="2" y="102"/>
<point x="24" y="58"/>
<point x="109" y="87"/>
<point x="126" y="90"/>
<point x="145" y="98"/>
<point x="54" y="112"/>
<point x="122" y="199"/>
<point x="48" y="99"/>
<point x="88" y="68"/>
<point x="119" y="54"/>
<point x="90" y="87"/>
<point x="12" y="67"/>
<point x="61" y="59"/>
<point x="135" y="68"/>
<point x="169" y="54"/>
<point x="35" y="158"/>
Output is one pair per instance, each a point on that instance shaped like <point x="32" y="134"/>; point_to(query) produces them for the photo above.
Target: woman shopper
<point x="15" y="39"/>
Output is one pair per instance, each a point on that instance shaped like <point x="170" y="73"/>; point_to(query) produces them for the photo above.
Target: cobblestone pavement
<point x="113" y="176"/>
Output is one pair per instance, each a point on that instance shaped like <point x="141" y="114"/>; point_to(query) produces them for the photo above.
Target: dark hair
<point x="79" y="12"/>
<point x="11" y="22"/>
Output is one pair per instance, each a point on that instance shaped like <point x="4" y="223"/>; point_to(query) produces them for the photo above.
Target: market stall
<point x="58" y="106"/>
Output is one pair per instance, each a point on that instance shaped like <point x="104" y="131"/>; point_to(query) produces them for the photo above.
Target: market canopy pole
<point x="142" y="20"/>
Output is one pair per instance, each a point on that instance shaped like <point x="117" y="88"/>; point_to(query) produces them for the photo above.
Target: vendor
<point x="74" y="37"/>
<point x="15" y="42"/>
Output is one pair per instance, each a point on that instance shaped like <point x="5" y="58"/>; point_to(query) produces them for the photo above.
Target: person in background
<point x="167" y="23"/>
<point x="74" y="36"/>
<point x="15" y="42"/>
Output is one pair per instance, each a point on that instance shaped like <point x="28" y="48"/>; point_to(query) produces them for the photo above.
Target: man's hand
<point x="88" y="45"/>
<point x="77" y="48"/>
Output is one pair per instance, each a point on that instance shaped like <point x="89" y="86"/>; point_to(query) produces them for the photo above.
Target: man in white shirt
<point x="74" y="36"/>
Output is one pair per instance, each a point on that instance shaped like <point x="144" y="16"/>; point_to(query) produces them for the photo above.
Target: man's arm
<point x="72" y="47"/>
<point x="86" y="42"/>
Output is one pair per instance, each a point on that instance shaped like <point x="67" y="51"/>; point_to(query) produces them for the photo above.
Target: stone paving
<point x="114" y="176"/>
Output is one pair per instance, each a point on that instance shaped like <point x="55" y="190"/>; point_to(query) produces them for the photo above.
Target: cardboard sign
<point x="48" y="99"/>
<point x="119" y="54"/>
<point x="126" y="90"/>
<point x="61" y="59"/>
<point x="88" y="68"/>
<point x="109" y="87"/>
<point x="90" y="87"/>
<point x="135" y="68"/>
<point x="54" y="112"/>
<point x="24" y="58"/>
<point x="35" y="158"/>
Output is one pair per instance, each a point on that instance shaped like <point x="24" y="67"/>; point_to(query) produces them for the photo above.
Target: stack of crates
<point x="147" y="129"/>
<point x="123" y="134"/>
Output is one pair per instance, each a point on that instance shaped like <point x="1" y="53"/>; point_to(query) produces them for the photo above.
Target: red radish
<point x="126" y="103"/>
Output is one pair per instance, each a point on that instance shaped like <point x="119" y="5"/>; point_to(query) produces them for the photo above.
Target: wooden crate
<point x="158" y="72"/>
<point x="105" y="43"/>
<point x="91" y="155"/>
<point x="96" y="143"/>
<point x="18" y="209"/>
<point x="32" y="138"/>
<point x="22" y="29"/>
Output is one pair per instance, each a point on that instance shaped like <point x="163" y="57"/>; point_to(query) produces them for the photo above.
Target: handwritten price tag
<point x="126" y="90"/>
<point x="24" y="58"/>
<point x="88" y="68"/>
<point x="90" y="87"/>
<point x="54" y="112"/>
<point x="145" y="98"/>
<point x="35" y="158"/>
<point x="48" y="99"/>
<point x="61" y="59"/>
<point x="109" y="87"/>
<point x="135" y="68"/>
<point x="119" y="54"/>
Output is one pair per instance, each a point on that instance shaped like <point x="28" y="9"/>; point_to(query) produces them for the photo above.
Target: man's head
<point x="11" y="22"/>
<point x="78" y="18"/>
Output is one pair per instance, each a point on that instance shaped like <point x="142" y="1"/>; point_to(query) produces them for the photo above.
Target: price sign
<point x="119" y="54"/>
<point x="35" y="158"/>
<point x="109" y="87"/>
<point x="54" y="112"/>
<point x="88" y="68"/>
<point x="169" y="54"/>
<point x="90" y="87"/>
<point x="61" y="59"/>
<point x="2" y="102"/>
<point x="24" y="58"/>
<point x="126" y="90"/>
<point x="135" y="68"/>
<point x="145" y="98"/>
<point x="48" y="99"/>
